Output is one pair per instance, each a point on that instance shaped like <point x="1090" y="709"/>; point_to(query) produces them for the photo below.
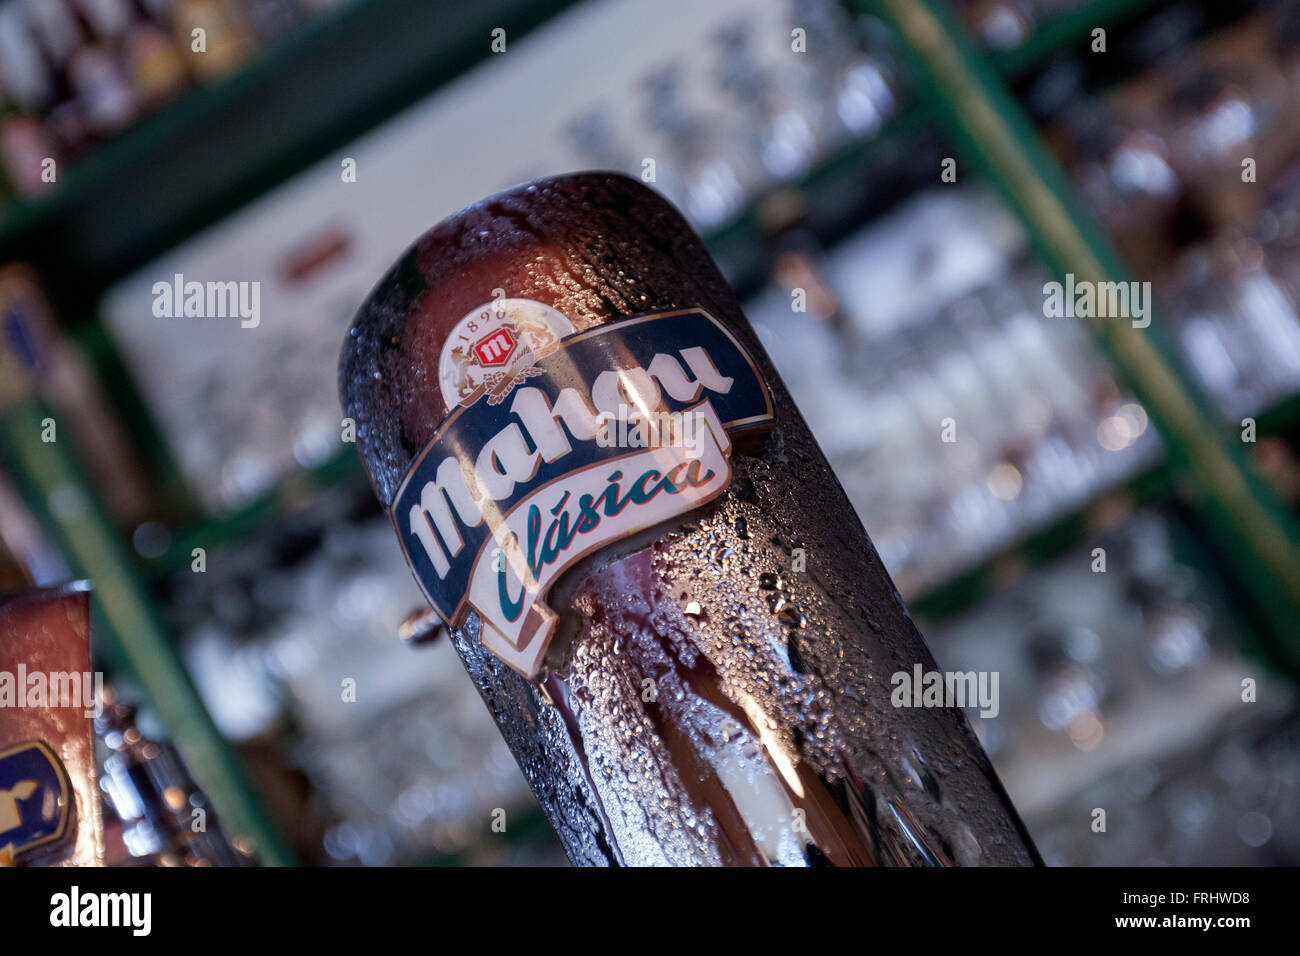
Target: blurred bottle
<point x="38" y="361"/>
<point x="716" y="687"/>
<point x="57" y="39"/>
<point x="96" y="72"/>
<point x="24" y="77"/>
<point x="25" y="148"/>
<point x="150" y="58"/>
<point x="213" y="35"/>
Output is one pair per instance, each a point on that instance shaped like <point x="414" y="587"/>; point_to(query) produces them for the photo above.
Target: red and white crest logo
<point x="495" y="349"/>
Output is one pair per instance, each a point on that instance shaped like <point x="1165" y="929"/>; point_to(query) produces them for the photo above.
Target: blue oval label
<point x="35" y="799"/>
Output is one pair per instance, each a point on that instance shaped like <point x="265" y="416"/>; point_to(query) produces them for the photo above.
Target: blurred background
<point x="1082" y="538"/>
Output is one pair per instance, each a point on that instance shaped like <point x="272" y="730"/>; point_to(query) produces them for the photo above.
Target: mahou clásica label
<point x="558" y="443"/>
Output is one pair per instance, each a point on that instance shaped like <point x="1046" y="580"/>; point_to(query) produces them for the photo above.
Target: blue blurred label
<point x="35" y="798"/>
